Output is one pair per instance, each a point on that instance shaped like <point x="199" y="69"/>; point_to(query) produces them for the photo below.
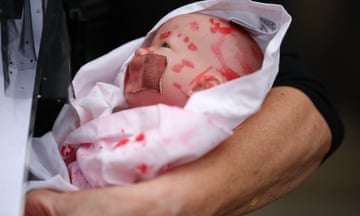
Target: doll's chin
<point x="143" y="97"/>
<point x="149" y="97"/>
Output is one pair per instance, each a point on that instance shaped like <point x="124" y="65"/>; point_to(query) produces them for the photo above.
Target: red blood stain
<point x="177" y="67"/>
<point x="225" y="71"/>
<point x="121" y="143"/>
<point x="140" y="137"/>
<point x="192" y="47"/>
<point x="256" y="53"/>
<point x="70" y="177"/>
<point x="177" y="85"/>
<point x="198" y="78"/>
<point x="165" y="35"/>
<point x="216" y="27"/>
<point x="66" y="150"/>
<point x="184" y="63"/>
<point x="147" y="49"/>
<point x="194" y="26"/>
<point x="245" y="61"/>
<point x="229" y="73"/>
<point x="211" y="81"/>
<point x="212" y="21"/>
<point x="143" y="168"/>
<point x="188" y="63"/>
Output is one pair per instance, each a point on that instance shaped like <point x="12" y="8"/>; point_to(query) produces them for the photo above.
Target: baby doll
<point x="162" y="100"/>
<point x="188" y="53"/>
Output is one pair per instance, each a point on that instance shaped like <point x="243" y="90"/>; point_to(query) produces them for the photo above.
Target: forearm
<point x="269" y="155"/>
<point x="280" y="153"/>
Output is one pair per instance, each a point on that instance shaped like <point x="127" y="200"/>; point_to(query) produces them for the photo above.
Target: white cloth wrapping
<point x="157" y="137"/>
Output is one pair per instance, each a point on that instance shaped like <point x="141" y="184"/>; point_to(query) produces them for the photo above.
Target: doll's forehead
<point x="192" y="21"/>
<point x="185" y="18"/>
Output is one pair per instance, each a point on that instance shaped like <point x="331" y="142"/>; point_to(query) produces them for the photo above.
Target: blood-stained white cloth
<point x="99" y="142"/>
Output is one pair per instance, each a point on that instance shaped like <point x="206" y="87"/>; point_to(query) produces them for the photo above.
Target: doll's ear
<point x="207" y="81"/>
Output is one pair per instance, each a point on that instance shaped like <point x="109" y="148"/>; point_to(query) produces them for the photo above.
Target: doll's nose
<point x="143" y="51"/>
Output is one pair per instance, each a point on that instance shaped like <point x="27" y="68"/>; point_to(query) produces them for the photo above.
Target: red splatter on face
<point x="211" y="81"/>
<point x="226" y="72"/>
<point x="229" y="74"/>
<point x="216" y="27"/>
<point x="197" y="79"/>
<point x="178" y="86"/>
<point x="148" y="50"/>
<point x="194" y="26"/>
<point x="184" y="63"/>
<point x="192" y="47"/>
<point x="165" y="35"/>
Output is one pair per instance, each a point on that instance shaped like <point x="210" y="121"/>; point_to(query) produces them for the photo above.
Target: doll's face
<point x="189" y="53"/>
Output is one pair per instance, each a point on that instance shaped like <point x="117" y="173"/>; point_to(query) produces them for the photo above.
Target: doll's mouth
<point x="145" y="72"/>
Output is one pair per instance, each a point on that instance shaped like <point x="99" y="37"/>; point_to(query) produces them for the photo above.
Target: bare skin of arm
<point x="269" y="155"/>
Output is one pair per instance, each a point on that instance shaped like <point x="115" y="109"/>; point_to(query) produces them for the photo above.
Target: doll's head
<point x="189" y="53"/>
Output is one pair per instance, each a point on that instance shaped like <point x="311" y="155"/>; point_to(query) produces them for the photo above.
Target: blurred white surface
<point x="16" y="110"/>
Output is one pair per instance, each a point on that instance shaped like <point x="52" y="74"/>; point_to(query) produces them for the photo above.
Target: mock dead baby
<point x="170" y="98"/>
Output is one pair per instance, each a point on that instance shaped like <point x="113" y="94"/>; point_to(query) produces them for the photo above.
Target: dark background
<point x="323" y="33"/>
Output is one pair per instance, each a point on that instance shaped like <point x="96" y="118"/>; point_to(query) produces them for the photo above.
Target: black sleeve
<point x="293" y="73"/>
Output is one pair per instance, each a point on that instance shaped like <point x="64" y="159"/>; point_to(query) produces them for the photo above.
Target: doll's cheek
<point x="207" y="81"/>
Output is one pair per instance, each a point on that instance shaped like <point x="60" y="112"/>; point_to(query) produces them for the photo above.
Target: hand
<point x="39" y="203"/>
<point x="150" y="198"/>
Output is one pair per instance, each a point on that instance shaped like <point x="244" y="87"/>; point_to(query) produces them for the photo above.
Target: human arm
<point x="270" y="154"/>
<point x="251" y="169"/>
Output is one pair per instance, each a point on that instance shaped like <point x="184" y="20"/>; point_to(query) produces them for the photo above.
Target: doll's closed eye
<point x="165" y="45"/>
